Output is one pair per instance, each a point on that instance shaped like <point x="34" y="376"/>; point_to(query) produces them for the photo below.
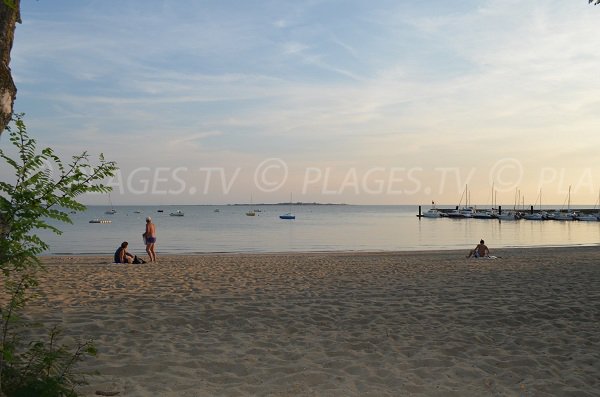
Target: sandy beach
<point x="334" y="324"/>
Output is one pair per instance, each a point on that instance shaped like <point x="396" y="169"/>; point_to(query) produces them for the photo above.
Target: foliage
<point x="43" y="190"/>
<point x="45" y="370"/>
<point x="10" y="3"/>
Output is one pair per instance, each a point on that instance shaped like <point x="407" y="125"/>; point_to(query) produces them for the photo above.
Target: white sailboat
<point x="511" y="215"/>
<point x="466" y="211"/>
<point x="251" y="212"/>
<point x="568" y="215"/>
<point x="537" y="216"/>
<point x="591" y="217"/>
<point x="112" y="209"/>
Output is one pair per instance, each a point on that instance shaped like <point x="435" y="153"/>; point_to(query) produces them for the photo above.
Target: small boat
<point x="465" y="212"/>
<point x="176" y="213"/>
<point x="565" y="216"/>
<point x="433" y="213"/>
<point x="588" y="217"/>
<point x="112" y="209"/>
<point x="489" y="214"/>
<point x="508" y="216"/>
<point x="160" y="211"/>
<point x="137" y="212"/>
<point x="536" y="216"/>
<point x="251" y="212"/>
<point x="289" y="215"/>
<point x="98" y="220"/>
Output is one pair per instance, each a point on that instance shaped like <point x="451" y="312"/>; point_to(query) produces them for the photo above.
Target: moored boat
<point x="98" y="220"/>
<point x="433" y="213"/>
<point x="536" y="216"/>
<point x="509" y="216"/>
<point x="588" y="217"/>
<point x="287" y="216"/>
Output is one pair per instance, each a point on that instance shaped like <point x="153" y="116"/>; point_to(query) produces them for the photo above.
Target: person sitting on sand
<point x="121" y="254"/>
<point x="481" y="251"/>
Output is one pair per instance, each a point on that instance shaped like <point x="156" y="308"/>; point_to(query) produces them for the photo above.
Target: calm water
<point x="316" y="228"/>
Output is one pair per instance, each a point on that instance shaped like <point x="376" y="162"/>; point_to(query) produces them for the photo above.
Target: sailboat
<point x="511" y="215"/>
<point x="112" y="210"/>
<point x="565" y="216"/>
<point x="592" y="216"/>
<point x="289" y="215"/>
<point x="464" y="212"/>
<point x="251" y="212"/>
<point x="537" y="216"/>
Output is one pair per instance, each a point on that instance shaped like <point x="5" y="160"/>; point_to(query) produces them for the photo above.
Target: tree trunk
<point x="9" y="16"/>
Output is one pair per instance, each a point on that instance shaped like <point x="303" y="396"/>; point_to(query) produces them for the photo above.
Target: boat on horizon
<point x="98" y="220"/>
<point x="177" y="213"/>
<point x="508" y="216"/>
<point x="567" y="215"/>
<point x="433" y="213"/>
<point x="289" y="215"/>
<point x="112" y="209"/>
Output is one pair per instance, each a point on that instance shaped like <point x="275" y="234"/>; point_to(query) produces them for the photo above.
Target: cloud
<point x="405" y="83"/>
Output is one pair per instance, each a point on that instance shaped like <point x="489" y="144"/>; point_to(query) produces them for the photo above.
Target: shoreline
<point x="426" y="323"/>
<point x="169" y="253"/>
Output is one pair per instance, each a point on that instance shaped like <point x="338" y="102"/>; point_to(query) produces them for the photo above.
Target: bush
<point x="44" y="189"/>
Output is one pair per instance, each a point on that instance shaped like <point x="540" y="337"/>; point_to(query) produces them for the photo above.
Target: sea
<point x="317" y="228"/>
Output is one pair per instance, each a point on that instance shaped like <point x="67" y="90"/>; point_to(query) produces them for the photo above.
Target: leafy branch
<point x="44" y="189"/>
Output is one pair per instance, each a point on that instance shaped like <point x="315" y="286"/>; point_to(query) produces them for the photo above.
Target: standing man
<point x="150" y="237"/>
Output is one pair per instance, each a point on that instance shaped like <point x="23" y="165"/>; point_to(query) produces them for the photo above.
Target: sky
<point x="359" y="102"/>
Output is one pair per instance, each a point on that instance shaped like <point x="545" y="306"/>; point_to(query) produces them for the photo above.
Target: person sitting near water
<point x="122" y="256"/>
<point x="481" y="251"/>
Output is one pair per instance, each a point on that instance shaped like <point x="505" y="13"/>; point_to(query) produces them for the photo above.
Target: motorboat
<point x="98" y="220"/>
<point x="433" y="213"/>
<point x="287" y="216"/>
<point x="251" y="213"/>
<point x="176" y="213"/>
